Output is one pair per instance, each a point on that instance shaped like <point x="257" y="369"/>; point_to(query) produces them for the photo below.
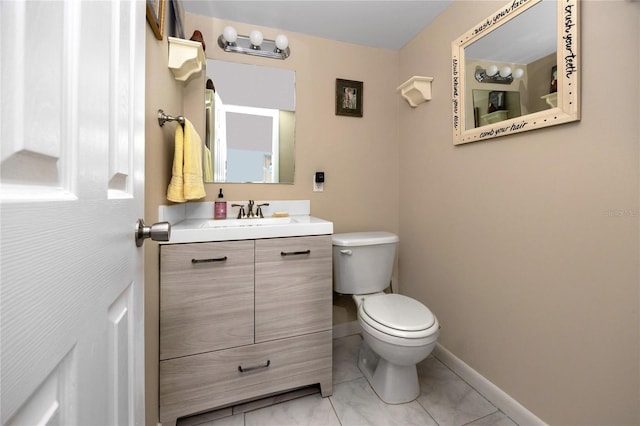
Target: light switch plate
<point x="317" y="186"/>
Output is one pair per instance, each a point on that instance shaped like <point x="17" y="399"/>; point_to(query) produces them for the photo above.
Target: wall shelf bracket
<point x="186" y="58"/>
<point x="551" y="99"/>
<point x="416" y="90"/>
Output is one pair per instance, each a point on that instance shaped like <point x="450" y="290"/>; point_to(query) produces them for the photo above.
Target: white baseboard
<point x="494" y="394"/>
<point x="346" y="329"/>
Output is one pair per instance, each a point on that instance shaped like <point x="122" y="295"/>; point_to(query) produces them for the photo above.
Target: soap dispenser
<point x="220" y="207"/>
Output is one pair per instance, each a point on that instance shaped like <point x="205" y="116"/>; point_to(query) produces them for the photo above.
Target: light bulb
<point x="505" y="72"/>
<point x="230" y="34"/>
<point x="282" y="42"/>
<point x="492" y="70"/>
<point x="256" y="38"/>
<point x="518" y="72"/>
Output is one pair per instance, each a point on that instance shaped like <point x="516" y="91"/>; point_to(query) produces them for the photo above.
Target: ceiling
<point x="376" y="23"/>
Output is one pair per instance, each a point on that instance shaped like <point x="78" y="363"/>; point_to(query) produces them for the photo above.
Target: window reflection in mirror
<point x="250" y="123"/>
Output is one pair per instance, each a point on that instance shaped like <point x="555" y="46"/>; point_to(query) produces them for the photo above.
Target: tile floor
<point x="445" y="400"/>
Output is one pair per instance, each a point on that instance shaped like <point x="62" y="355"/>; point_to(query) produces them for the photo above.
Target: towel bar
<point x="163" y="118"/>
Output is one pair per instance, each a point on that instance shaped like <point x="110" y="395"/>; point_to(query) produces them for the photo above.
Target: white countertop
<point x="195" y="230"/>
<point x="185" y="228"/>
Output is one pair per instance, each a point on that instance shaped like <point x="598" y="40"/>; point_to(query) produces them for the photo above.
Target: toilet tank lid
<point x="364" y="238"/>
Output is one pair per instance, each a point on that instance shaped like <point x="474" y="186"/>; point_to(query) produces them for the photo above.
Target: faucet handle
<point x="259" y="211"/>
<point x="241" y="213"/>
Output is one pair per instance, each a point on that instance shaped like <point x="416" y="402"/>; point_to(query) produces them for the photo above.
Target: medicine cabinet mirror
<point x="249" y="124"/>
<point x="517" y="70"/>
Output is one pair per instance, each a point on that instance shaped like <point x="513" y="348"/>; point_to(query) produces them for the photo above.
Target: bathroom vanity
<point x="245" y="312"/>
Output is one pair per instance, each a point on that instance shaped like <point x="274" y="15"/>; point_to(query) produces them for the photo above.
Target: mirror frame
<point x="567" y="53"/>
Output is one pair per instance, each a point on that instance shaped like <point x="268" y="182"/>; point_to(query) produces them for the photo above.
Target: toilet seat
<point x="398" y="316"/>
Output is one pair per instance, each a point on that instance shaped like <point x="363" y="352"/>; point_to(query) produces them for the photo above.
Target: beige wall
<point x="358" y="155"/>
<point x="509" y="241"/>
<point x="539" y="82"/>
<point x="162" y="92"/>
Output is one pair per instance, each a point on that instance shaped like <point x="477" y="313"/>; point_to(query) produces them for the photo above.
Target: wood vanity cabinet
<point x="243" y="319"/>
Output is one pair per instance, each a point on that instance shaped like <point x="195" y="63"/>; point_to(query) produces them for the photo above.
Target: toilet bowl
<point x="398" y="331"/>
<point x="393" y="350"/>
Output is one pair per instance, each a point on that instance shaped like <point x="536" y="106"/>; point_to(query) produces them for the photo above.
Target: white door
<point x="71" y="175"/>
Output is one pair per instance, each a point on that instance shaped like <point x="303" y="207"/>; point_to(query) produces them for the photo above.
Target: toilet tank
<point x="363" y="261"/>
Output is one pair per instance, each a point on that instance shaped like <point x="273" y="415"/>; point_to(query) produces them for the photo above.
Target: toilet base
<point x="394" y="384"/>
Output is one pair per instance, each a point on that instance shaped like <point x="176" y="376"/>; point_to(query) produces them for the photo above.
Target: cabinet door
<point x="206" y="297"/>
<point x="293" y="286"/>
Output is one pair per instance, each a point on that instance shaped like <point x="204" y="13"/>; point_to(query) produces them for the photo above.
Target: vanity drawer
<point x="206" y="297"/>
<point x="293" y="286"/>
<point x="210" y="380"/>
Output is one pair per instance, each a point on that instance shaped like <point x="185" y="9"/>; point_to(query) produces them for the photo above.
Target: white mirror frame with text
<point x="568" y="75"/>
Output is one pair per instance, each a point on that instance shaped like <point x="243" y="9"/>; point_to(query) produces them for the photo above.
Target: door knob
<point x="160" y="231"/>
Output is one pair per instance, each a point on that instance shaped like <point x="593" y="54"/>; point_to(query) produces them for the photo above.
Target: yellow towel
<point x="186" y="180"/>
<point x="208" y="165"/>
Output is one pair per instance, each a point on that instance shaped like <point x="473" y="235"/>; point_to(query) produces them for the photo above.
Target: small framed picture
<point x="497" y="101"/>
<point x="155" y="17"/>
<point x="349" y="97"/>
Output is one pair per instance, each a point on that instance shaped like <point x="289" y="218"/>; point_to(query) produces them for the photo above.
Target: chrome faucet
<point x="241" y="211"/>
<point x="250" y="213"/>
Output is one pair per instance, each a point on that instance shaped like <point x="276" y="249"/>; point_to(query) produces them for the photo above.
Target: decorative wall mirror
<point x="249" y="123"/>
<point x="517" y="70"/>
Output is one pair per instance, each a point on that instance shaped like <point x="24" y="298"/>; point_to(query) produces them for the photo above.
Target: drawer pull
<point x="294" y="253"/>
<point x="215" y="259"/>
<point x="256" y="367"/>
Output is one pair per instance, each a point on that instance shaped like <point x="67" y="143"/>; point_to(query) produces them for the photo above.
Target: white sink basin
<point x="261" y="221"/>
<point x="203" y="230"/>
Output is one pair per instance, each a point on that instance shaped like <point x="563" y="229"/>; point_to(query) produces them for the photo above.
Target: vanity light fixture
<point x="254" y="44"/>
<point x="493" y="74"/>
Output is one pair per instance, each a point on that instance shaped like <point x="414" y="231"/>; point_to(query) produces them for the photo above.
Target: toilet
<point x="398" y="331"/>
